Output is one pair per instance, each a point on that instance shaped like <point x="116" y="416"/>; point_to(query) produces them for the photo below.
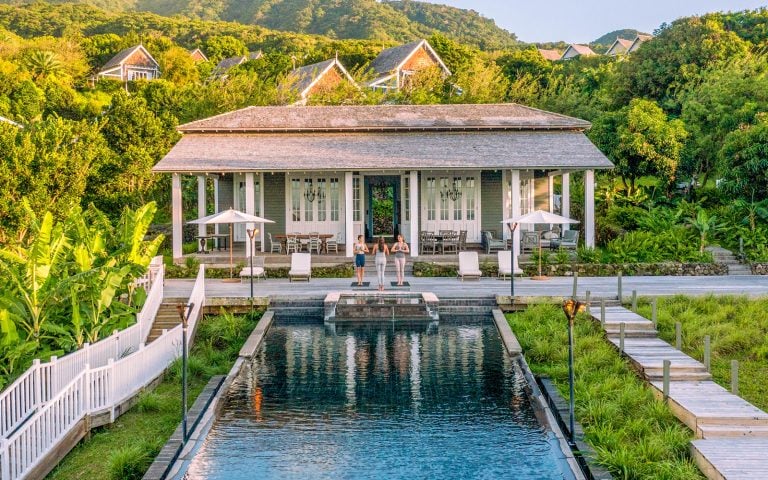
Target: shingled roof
<point x="124" y="54"/>
<point x="488" y="150"/>
<point x="230" y="62"/>
<point x="550" y="54"/>
<point x="391" y="59"/>
<point x="384" y="118"/>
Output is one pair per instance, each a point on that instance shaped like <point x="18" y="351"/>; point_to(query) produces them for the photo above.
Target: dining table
<point x="324" y="237"/>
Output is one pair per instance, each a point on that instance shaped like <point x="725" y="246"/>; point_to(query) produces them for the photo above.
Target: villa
<point x="325" y="169"/>
<point x="319" y="78"/>
<point x="198" y="56"/>
<point x="577" y="50"/>
<point x="620" y="46"/>
<point x="550" y="54"/>
<point x="394" y="66"/>
<point x="133" y="63"/>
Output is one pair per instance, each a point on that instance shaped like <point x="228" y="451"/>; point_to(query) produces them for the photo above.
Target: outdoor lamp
<point x="571" y="307"/>
<point x="180" y="307"/>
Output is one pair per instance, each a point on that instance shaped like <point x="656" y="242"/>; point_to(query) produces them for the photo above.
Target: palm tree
<point x="42" y="63"/>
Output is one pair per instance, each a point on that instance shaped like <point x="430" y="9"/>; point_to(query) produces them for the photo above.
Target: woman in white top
<point x="380" y="252"/>
<point x="400" y="248"/>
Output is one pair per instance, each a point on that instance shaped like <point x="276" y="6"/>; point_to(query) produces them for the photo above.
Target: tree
<point x="218" y="47"/>
<point x="42" y="64"/>
<point x="641" y="140"/>
<point x="178" y="66"/>
<point x="744" y="156"/>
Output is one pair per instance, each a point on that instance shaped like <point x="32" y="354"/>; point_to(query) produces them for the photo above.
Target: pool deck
<point x="599" y="287"/>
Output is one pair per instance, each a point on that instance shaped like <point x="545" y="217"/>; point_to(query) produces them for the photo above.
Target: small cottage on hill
<point x="577" y="50"/>
<point x="228" y="63"/>
<point x="639" y="40"/>
<point x="394" y="66"/>
<point x="198" y="56"/>
<point x="133" y="63"/>
<point x="620" y="46"/>
<point x="319" y="78"/>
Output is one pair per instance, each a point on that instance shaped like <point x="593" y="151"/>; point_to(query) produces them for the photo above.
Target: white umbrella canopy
<point x="231" y="217"/>
<point x="538" y="217"/>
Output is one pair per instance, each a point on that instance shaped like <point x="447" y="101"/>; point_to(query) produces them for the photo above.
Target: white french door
<point x="451" y="201"/>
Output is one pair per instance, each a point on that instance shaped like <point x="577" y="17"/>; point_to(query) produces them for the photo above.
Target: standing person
<point x="400" y="248"/>
<point x="360" y="250"/>
<point x="380" y="251"/>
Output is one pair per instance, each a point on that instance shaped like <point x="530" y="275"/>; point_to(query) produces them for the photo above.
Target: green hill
<point x="610" y="37"/>
<point x="395" y="21"/>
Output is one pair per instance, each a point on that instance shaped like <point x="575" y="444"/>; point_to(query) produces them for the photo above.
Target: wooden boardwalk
<point x="732" y="433"/>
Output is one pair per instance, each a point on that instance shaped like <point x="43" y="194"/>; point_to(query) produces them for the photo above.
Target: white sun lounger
<point x="258" y="269"/>
<point x="301" y="266"/>
<point x="469" y="266"/>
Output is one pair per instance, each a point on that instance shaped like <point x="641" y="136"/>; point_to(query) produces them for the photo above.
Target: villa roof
<point x="509" y="116"/>
<point x="391" y="59"/>
<point x="550" y="54"/>
<point x="251" y="152"/>
<point x="230" y="62"/>
<point x="580" y="50"/>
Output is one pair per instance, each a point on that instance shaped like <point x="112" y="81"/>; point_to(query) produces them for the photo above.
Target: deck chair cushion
<point x="301" y="265"/>
<point x="505" y="261"/>
<point x="469" y="265"/>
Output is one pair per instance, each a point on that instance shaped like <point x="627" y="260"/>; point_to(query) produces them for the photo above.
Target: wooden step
<point x="731" y="458"/>
<point x="731" y="430"/>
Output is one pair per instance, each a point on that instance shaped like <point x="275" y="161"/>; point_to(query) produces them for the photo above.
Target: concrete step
<point x="658" y="376"/>
<point x="632" y="333"/>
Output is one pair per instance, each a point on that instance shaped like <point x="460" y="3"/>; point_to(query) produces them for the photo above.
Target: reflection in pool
<point x="379" y="403"/>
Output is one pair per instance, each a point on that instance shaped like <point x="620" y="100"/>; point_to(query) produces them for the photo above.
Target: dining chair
<point x="273" y="245"/>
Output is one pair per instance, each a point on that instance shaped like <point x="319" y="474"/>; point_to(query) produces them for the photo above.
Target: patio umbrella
<point x="230" y="217"/>
<point x="538" y="217"/>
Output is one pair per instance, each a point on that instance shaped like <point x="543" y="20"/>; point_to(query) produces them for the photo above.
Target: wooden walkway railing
<point x="732" y="434"/>
<point x="47" y="405"/>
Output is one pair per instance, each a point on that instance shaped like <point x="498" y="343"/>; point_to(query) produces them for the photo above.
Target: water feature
<point x="380" y="307"/>
<point x="379" y="402"/>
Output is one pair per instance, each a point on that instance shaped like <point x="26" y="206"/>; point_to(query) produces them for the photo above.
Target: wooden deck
<point x="732" y="433"/>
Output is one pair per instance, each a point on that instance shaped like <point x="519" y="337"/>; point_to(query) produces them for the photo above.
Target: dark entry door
<point x="383" y="206"/>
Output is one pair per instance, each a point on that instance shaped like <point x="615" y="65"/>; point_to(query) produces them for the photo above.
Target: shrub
<point x="588" y="255"/>
<point x="130" y="462"/>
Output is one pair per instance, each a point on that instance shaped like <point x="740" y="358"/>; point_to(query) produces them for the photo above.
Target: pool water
<point x="374" y="402"/>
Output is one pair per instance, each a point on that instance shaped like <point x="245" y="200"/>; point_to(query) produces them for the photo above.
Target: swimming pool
<point x="375" y="402"/>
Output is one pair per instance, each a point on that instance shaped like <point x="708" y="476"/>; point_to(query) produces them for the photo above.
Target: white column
<point x="201" y="212"/>
<point x="176" y="216"/>
<point x="505" y="202"/>
<point x="250" y="201"/>
<point x="589" y="208"/>
<point x="349" y="226"/>
<point x="413" y="186"/>
<point x="261" y="210"/>
<point x="516" y="211"/>
<point x="565" y="201"/>
<point x="551" y="189"/>
<point x="216" y="199"/>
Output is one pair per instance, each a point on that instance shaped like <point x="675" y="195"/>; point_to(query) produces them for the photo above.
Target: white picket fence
<point x="43" y="405"/>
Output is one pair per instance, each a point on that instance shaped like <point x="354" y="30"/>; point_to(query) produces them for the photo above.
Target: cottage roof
<point x="230" y="62"/>
<point x="125" y="54"/>
<point x="307" y="75"/>
<point x="620" y="45"/>
<point x="393" y="58"/>
<point x="509" y="116"/>
<point x="579" y="49"/>
<point x="198" y="54"/>
<point x="639" y="40"/>
<point x="550" y="54"/>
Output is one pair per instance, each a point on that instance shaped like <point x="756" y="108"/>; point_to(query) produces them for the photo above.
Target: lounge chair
<point x="492" y="243"/>
<point x="301" y="266"/>
<point x="570" y="239"/>
<point x="505" y="263"/>
<point x="469" y="266"/>
<point x="258" y="269"/>
<point x="529" y="242"/>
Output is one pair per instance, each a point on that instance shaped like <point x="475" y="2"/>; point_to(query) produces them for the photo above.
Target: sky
<point x="582" y="21"/>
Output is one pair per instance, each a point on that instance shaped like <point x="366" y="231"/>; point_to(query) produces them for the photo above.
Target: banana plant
<point x="31" y="276"/>
<point x="705" y="225"/>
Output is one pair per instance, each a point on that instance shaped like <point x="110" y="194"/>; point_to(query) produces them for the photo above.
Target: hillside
<point x="350" y="19"/>
<point x="610" y="37"/>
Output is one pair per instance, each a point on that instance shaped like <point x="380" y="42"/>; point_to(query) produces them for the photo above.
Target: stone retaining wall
<point x="649" y="269"/>
<point x="759" y="268"/>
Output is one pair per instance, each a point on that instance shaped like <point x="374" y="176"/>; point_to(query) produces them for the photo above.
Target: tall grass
<point x="738" y="328"/>
<point x="635" y="436"/>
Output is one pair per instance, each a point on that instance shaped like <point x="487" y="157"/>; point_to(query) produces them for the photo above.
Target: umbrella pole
<point x="231" y="247"/>
<point x="539" y="254"/>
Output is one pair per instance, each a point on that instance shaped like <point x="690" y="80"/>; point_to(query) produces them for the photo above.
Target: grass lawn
<point x="738" y="328"/>
<point x="634" y="435"/>
<point x="125" y="449"/>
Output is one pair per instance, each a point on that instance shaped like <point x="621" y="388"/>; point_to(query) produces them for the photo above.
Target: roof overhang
<point x="421" y="150"/>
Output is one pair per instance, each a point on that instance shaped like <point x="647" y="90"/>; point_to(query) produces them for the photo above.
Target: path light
<point x="571" y="307"/>
<point x="180" y="307"/>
